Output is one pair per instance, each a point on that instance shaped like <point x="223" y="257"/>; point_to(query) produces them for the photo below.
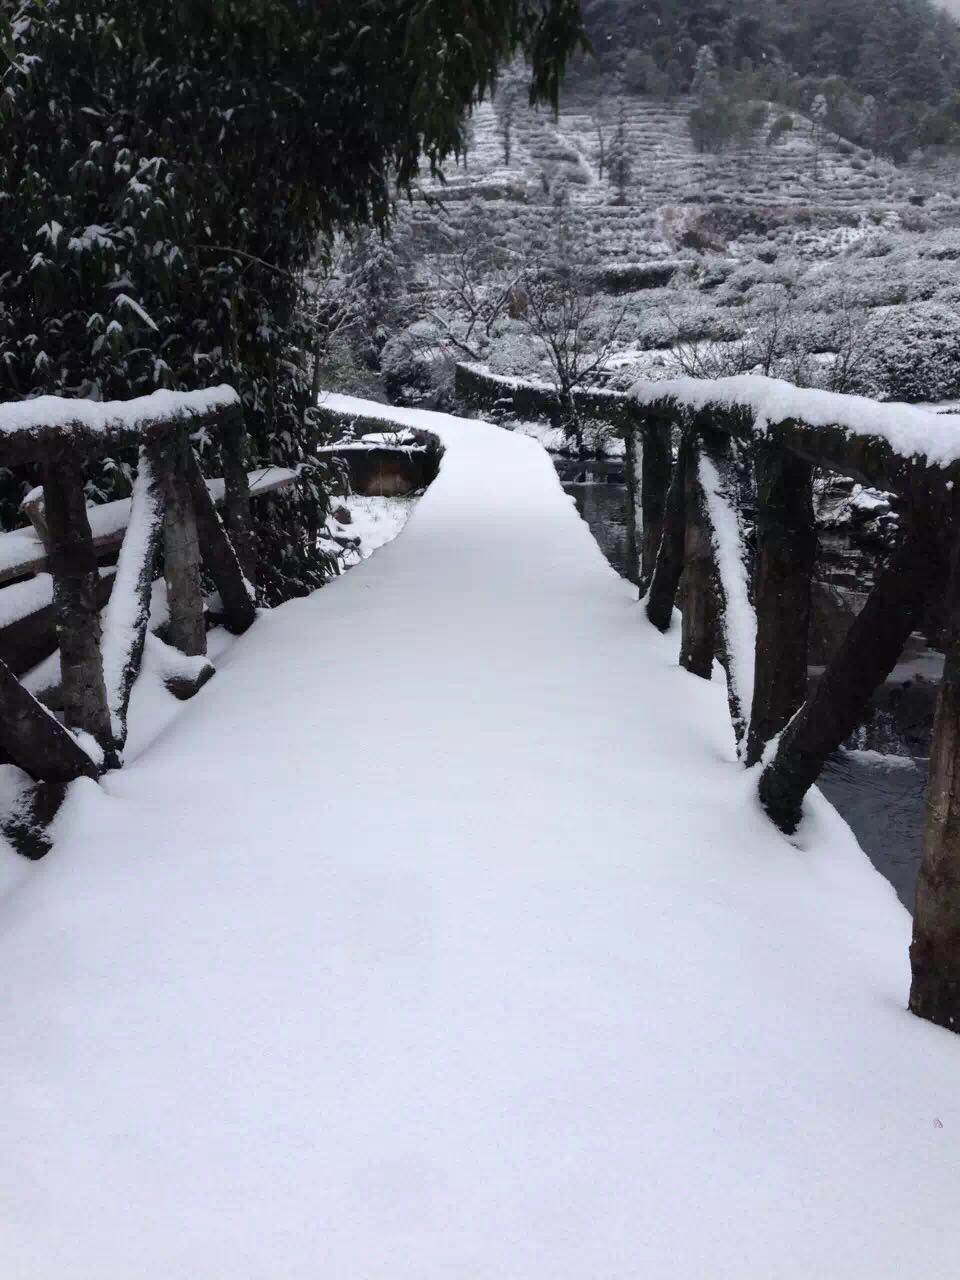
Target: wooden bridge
<point x="407" y="951"/>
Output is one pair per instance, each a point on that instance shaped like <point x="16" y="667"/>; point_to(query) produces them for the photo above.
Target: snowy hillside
<point x="801" y="178"/>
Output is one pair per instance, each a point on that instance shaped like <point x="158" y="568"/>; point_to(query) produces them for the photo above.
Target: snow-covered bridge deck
<point x="410" y="952"/>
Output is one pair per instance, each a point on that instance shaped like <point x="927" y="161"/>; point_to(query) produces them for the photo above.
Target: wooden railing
<point x="768" y="437"/>
<point x="171" y="510"/>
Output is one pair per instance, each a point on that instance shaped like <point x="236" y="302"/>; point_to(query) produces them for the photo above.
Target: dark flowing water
<point x="880" y="795"/>
<point x="604" y="507"/>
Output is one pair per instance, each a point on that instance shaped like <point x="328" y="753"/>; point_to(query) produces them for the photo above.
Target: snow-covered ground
<point x="442" y="937"/>
<point x="375" y="521"/>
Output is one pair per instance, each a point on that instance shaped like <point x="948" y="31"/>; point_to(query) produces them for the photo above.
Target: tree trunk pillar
<point x="669" y="562"/>
<point x="866" y="657"/>
<point x="654" y="482"/>
<point x="935" y="951"/>
<point x="186" y="629"/>
<point x="219" y="553"/>
<point x="73" y="563"/>
<point x="236" y="498"/>
<point x="698" y="638"/>
<point x="786" y="551"/>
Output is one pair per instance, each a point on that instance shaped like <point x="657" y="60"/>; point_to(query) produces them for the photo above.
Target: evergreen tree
<point x="166" y="170"/>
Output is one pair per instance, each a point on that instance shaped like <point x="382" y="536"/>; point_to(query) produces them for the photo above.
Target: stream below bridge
<point x="879" y="786"/>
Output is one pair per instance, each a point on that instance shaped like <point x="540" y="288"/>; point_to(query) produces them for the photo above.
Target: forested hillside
<point x="889" y="70"/>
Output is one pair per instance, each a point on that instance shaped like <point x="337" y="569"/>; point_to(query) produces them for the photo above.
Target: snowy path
<point x="440" y="938"/>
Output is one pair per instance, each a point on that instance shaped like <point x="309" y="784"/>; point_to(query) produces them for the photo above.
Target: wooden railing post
<point x="186" y="628"/>
<point x="669" y="563"/>
<point x="786" y="551"/>
<point x="698" y="637"/>
<point x="654" y="484"/>
<point x="236" y="497"/>
<point x="935" y="951"/>
<point x="866" y="657"/>
<point x="73" y="563"/>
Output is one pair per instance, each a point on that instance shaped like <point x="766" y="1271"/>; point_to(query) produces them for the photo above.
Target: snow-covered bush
<point x="916" y="356"/>
<point x="417" y="367"/>
<point x="514" y="352"/>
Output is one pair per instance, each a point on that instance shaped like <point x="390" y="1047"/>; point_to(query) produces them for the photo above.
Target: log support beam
<point x="698" y="635"/>
<point x="783" y="569"/>
<point x="236" y="497"/>
<point x="127" y="614"/>
<point x="218" y="554"/>
<point x="35" y="740"/>
<point x="669" y="563"/>
<point x="654" y="485"/>
<point x="868" y="654"/>
<point x="186" y="629"/>
<point x="935" y="951"/>
<point x="73" y="563"/>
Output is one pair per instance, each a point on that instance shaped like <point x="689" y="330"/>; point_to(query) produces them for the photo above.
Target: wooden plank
<point x="127" y="614"/>
<point x="218" y="553"/>
<point x="34" y="739"/>
<point x="935" y="950"/>
<point x="76" y="585"/>
<point x="669" y="564"/>
<point x="866" y="657"/>
<point x="783" y="570"/>
<point x="698" y="634"/>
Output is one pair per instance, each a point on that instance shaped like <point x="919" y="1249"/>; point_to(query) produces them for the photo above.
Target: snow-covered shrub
<point x="916" y="356"/>
<point x="514" y="352"/>
<point x="417" y="367"/>
<point x="756" y="275"/>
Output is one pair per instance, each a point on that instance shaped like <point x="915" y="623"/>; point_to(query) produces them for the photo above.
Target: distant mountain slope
<point x="804" y="178"/>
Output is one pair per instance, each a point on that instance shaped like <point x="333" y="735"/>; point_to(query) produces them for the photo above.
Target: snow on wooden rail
<point x="172" y="506"/>
<point x="26" y="425"/>
<point x="895" y="447"/>
<point x="766" y="436"/>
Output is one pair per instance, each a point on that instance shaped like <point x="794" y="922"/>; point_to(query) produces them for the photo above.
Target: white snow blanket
<point x="441" y="938"/>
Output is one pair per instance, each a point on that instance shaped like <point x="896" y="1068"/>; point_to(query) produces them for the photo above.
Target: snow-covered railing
<point x="521" y="396"/>
<point x="491" y="393"/>
<point x="764" y="437"/>
<point x="171" y="507"/>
